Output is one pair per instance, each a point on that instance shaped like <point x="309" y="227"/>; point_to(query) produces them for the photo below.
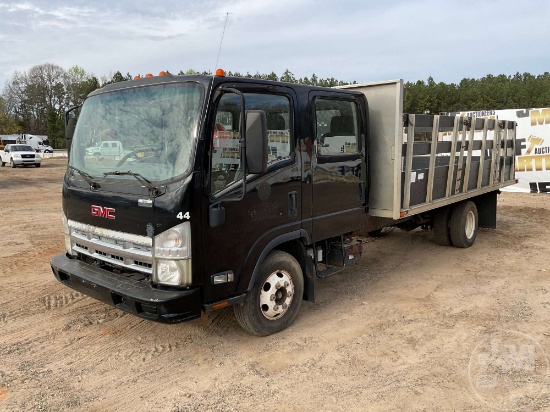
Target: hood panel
<point x="121" y="211"/>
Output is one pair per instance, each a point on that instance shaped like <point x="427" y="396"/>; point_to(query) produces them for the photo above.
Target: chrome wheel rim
<point x="276" y="295"/>
<point x="470" y="224"/>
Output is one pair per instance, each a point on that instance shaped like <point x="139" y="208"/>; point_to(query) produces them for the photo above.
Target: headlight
<point x="173" y="272"/>
<point x="172" y="256"/>
<point x="16" y="156"/>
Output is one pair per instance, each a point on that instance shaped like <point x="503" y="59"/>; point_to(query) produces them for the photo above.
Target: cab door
<point x="271" y="205"/>
<point x="339" y="166"/>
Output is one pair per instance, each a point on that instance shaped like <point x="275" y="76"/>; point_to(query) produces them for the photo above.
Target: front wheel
<point x="37" y="164"/>
<point x="464" y="227"/>
<point x="12" y="164"/>
<point x="2" y="164"/>
<point x="273" y="302"/>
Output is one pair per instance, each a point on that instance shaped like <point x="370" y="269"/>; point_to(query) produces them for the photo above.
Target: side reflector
<point x="220" y="305"/>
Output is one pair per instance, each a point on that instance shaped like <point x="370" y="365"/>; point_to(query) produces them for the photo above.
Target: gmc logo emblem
<point x="100" y="211"/>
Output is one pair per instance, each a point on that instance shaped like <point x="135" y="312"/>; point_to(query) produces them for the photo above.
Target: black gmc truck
<point x="242" y="192"/>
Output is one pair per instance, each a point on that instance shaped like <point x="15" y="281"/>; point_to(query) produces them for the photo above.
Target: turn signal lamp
<point x="220" y="73"/>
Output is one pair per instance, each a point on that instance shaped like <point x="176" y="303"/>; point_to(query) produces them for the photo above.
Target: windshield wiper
<point x="88" y="178"/>
<point x="153" y="190"/>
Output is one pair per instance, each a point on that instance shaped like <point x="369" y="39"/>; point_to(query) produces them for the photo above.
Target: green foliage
<point x="288" y="77"/>
<point x="488" y="93"/>
<point x="8" y="125"/>
<point x="35" y="102"/>
<point x="55" y="127"/>
<point x="117" y="77"/>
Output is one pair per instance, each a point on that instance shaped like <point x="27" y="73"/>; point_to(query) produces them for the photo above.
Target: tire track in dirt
<point x="37" y="303"/>
<point x="61" y="300"/>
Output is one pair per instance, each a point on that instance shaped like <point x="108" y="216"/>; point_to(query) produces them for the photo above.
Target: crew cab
<point x="19" y="155"/>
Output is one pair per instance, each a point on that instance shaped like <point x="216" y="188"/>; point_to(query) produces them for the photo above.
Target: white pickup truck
<point x="19" y="155"/>
<point x="106" y="148"/>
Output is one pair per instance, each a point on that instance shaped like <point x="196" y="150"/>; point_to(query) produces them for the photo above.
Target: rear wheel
<point x="464" y="222"/>
<point x="273" y="302"/>
<point x="37" y="164"/>
<point x="442" y="231"/>
<point x="3" y="164"/>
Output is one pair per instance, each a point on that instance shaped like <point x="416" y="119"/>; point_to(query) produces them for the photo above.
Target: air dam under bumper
<point x="129" y="295"/>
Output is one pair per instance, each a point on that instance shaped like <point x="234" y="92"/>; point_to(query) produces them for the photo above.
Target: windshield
<point x="22" y="149"/>
<point x="150" y="130"/>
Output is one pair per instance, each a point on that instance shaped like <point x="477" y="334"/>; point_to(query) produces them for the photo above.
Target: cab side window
<point x="336" y="126"/>
<point x="226" y="162"/>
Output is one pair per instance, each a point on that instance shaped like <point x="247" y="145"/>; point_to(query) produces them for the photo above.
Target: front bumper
<point x="127" y="294"/>
<point x="19" y="162"/>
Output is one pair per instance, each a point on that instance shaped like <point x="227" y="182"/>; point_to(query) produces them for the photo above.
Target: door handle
<point x="292" y="204"/>
<point x="361" y="193"/>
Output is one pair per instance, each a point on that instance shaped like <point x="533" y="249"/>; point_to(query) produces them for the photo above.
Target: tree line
<point x="35" y="101"/>
<point x="488" y="93"/>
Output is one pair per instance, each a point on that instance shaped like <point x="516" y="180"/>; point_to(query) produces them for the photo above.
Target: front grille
<point x="115" y="248"/>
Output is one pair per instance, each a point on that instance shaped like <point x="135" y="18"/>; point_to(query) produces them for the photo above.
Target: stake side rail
<point x="446" y="159"/>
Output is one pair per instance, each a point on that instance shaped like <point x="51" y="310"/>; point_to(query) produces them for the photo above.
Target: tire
<point x="37" y="164"/>
<point x="441" y="228"/>
<point x="263" y="311"/>
<point x="3" y="164"/>
<point x="12" y="164"/>
<point x="464" y="220"/>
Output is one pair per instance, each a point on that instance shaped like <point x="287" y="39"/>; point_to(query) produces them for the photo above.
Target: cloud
<point x="349" y="39"/>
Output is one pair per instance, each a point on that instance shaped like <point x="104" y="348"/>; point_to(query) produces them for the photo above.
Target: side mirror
<point x="256" y="141"/>
<point x="69" y="131"/>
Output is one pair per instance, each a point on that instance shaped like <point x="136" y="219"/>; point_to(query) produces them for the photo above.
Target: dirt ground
<point x="414" y="326"/>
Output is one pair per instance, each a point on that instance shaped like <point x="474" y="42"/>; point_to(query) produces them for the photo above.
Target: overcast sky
<point x="349" y="40"/>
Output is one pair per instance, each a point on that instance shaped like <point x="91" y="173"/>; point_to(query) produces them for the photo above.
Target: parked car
<point x="19" y="155"/>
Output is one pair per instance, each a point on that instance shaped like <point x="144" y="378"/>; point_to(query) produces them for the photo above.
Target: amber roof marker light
<point x="220" y="73"/>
